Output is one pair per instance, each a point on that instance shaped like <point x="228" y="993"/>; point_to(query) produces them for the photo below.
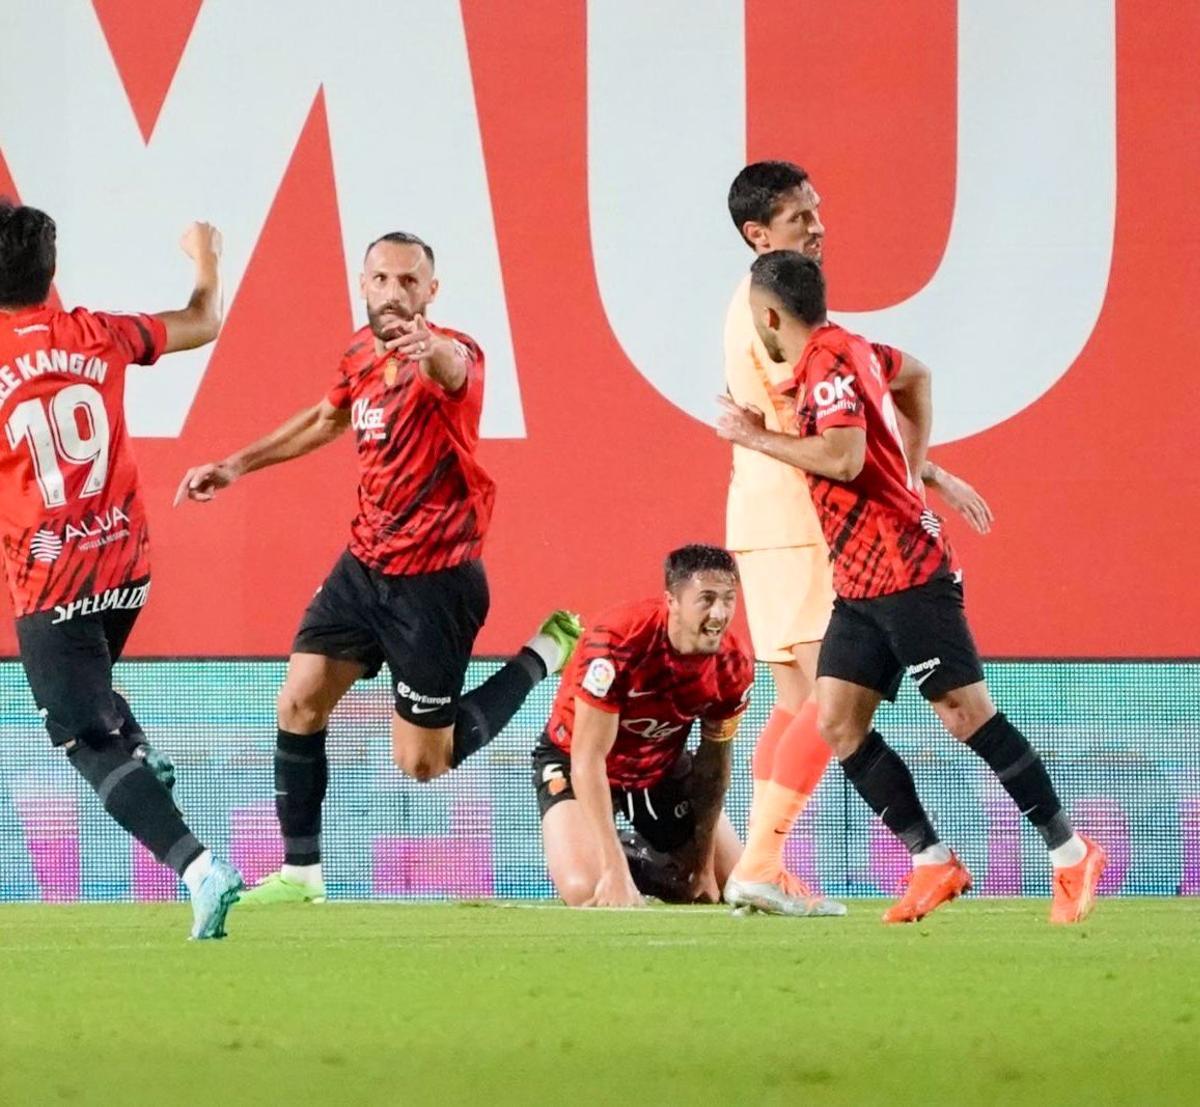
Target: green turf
<point x="355" y="1003"/>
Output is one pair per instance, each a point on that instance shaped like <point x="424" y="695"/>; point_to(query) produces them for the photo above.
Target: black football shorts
<point x="424" y="626"/>
<point x="662" y="813"/>
<point x="68" y="660"/>
<point x="922" y="631"/>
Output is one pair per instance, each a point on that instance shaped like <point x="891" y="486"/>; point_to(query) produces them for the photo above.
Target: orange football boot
<point x="928" y="887"/>
<point x="1075" y="886"/>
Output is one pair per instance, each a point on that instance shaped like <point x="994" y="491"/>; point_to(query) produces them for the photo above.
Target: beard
<point x="770" y="341"/>
<point x="397" y="319"/>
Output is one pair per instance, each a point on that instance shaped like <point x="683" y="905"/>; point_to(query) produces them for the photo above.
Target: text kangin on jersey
<point x="31" y="366"/>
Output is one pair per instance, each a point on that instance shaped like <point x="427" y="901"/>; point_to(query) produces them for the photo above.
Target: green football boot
<point x="564" y="629"/>
<point x="277" y="888"/>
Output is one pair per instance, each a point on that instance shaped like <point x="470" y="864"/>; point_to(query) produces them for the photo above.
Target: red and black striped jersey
<point x="882" y="537"/>
<point x="424" y="501"/>
<point x="625" y="664"/>
<point x="71" y="511"/>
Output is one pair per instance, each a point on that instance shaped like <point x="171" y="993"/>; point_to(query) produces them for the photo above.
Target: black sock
<point x="1018" y="767"/>
<point x="483" y="713"/>
<point x="132" y="795"/>
<point x="132" y="734"/>
<point x="301" y="778"/>
<point x="883" y="780"/>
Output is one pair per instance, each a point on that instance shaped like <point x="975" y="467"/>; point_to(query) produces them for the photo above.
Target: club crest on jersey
<point x="368" y="420"/>
<point x="599" y="677"/>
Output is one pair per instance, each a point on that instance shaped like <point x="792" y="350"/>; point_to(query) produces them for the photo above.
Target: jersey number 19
<point x="53" y="431"/>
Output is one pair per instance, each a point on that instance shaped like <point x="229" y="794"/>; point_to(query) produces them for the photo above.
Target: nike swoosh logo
<point x="419" y="710"/>
<point x="635" y="695"/>
<point x="918" y="681"/>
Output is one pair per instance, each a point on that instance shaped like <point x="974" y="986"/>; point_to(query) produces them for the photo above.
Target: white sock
<point x="309" y="875"/>
<point x="194" y="874"/>
<point x="548" y="650"/>
<point x="1069" y="853"/>
<point x="934" y="855"/>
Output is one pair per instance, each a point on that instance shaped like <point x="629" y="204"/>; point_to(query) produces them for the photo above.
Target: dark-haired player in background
<point x="899" y="601"/>
<point x="616" y="743"/>
<point x="76" y="547"/>
<point x="410" y="589"/>
<point x="773" y="531"/>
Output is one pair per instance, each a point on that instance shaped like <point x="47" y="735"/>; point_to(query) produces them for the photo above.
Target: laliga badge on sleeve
<point x="599" y="677"/>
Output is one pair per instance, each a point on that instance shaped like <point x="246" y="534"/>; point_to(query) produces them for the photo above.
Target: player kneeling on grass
<point x="899" y="599"/>
<point x="616" y="744"/>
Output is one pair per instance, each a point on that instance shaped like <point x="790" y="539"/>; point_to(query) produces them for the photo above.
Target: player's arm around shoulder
<point x="592" y="739"/>
<point x="912" y="393"/>
<point x="199" y="322"/>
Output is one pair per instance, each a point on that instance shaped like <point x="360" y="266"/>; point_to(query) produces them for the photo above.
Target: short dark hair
<point x="756" y="192"/>
<point x="403" y="238"/>
<point x="28" y="254"/>
<point x="684" y="563"/>
<point x="796" y="280"/>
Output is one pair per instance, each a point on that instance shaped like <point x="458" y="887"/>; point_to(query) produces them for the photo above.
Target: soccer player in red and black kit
<point x="616" y="743"/>
<point x="410" y="589"/>
<point x="899" y="603"/>
<point x="76" y="547"/>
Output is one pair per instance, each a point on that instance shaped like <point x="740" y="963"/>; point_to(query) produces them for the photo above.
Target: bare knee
<point x="839" y="732"/>
<point x="420" y="764"/>
<point x="963" y="714"/>
<point x="300" y="713"/>
<point x="575" y="889"/>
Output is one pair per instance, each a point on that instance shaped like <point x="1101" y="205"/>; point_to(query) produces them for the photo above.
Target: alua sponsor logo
<point x="99" y="525"/>
<point x="47" y="545"/>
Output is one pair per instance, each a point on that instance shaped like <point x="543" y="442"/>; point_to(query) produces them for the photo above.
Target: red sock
<point x="763" y="761"/>
<point x="801" y="756"/>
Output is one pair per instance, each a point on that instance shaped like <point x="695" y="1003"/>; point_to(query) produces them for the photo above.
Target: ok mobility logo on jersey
<point x="91" y="533"/>
<point x="835" y="395"/>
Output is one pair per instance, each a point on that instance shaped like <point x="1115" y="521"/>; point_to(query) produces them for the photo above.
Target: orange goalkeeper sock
<point x="800" y="761"/>
<point x="763" y="762"/>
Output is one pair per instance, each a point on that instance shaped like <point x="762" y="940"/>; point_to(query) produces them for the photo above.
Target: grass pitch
<point x="486" y="1004"/>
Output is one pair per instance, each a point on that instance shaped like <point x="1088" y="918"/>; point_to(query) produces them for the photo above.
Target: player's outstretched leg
<point x="485" y="711"/>
<point x="884" y="782"/>
<point x="1078" y="862"/>
<point x="133" y="795"/>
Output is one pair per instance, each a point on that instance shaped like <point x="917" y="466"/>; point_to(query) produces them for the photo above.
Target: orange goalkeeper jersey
<point x="769" y="505"/>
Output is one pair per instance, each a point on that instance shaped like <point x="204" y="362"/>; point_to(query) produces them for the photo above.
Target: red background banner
<point x="1093" y="486"/>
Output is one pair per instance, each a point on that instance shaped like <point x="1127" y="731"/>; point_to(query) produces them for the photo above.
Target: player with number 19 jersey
<point x="882" y="537"/>
<point x="71" y="514"/>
